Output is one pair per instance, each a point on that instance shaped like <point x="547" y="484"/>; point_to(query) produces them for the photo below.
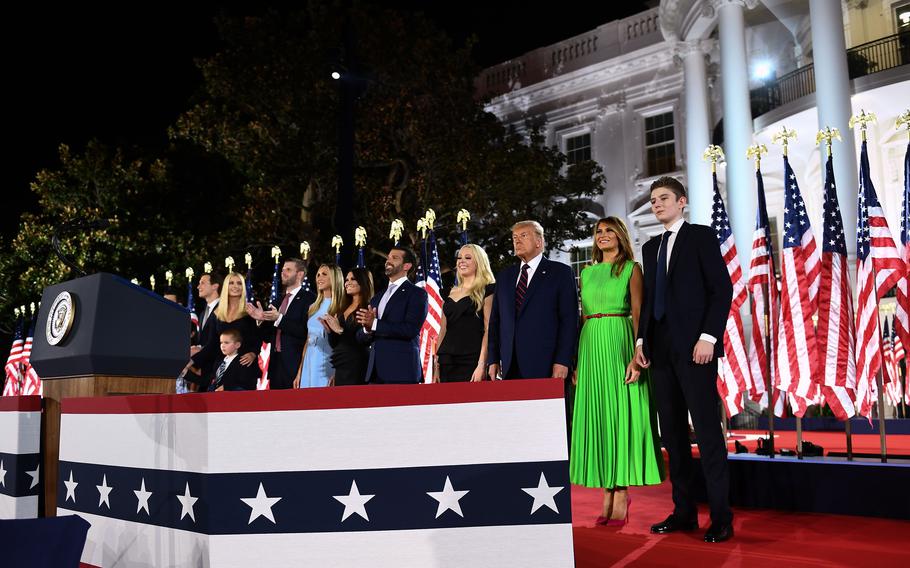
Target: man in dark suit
<point x="206" y="353"/>
<point x="534" y="321"/>
<point x="286" y="325"/>
<point x="391" y="325"/>
<point x="684" y="313"/>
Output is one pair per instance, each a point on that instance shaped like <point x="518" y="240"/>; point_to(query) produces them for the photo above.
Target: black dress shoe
<point x="719" y="532"/>
<point x="673" y="524"/>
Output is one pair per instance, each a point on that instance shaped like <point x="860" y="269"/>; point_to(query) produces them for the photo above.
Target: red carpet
<point x="768" y="539"/>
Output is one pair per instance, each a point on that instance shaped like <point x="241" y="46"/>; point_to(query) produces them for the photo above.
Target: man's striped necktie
<point x="521" y="290"/>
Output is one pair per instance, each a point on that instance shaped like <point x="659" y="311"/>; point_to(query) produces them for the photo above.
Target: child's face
<point x="229" y="346"/>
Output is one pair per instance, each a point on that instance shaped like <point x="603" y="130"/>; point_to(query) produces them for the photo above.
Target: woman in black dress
<point x="462" y="352"/>
<point x="349" y="356"/>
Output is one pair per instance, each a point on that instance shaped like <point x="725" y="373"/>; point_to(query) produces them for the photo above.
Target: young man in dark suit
<point x="687" y="300"/>
<point x="229" y="374"/>
<point x="391" y="325"/>
<point x="286" y="325"/>
<point x="205" y="354"/>
<point x="534" y="321"/>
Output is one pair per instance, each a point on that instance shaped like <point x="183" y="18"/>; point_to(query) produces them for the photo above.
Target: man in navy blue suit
<point x="534" y="322"/>
<point x="391" y="325"/>
<point x="680" y="336"/>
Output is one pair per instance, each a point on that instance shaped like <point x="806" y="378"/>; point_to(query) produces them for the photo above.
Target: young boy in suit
<point x="229" y="373"/>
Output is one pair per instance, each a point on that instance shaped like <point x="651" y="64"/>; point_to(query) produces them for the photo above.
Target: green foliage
<point x="254" y="160"/>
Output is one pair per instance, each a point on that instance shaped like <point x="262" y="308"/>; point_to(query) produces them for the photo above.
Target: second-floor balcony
<point x="866" y="59"/>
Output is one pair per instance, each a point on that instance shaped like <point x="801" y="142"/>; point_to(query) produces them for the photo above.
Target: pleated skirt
<point x="614" y="425"/>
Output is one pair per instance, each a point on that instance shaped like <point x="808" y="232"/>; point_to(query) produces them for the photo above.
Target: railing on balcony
<point x="879" y="55"/>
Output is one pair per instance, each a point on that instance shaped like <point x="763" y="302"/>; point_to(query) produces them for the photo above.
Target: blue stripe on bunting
<point x="16" y="482"/>
<point x="495" y="497"/>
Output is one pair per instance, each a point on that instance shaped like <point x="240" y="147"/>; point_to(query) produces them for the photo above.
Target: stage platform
<point x="764" y="538"/>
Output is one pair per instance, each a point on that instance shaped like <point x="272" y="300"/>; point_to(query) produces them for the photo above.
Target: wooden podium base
<point x="55" y="390"/>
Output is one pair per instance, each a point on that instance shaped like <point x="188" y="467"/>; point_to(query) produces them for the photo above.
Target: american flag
<point x="878" y="269"/>
<point x="836" y="332"/>
<point x="265" y="350"/>
<point x="191" y="304"/>
<point x="31" y="382"/>
<point x="733" y="378"/>
<point x="429" y="333"/>
<point x="13" y="367"/>
<point x="763" y="290"/>
<point x="902" y="313"/>
<point x="796" y="355"/>
<point x="892" y="381"/>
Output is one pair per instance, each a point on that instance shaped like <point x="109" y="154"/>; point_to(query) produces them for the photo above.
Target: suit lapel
<point x="509" y="276"/>
<point x="678" y="246"/>
<point x="397" y="296"/>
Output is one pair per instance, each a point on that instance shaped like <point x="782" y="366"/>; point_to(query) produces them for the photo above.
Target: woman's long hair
<point x="221" y="312"/>
<point x="624" y="254"/>
<point x="364" y="279"/>
<point x="482" y="278"/>
<point x="336" y="283"/>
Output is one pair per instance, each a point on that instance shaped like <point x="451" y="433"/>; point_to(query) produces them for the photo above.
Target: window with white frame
<point x="581" y="257"/>
<point x="660" y="144"/>
<point x="578" y="148"/>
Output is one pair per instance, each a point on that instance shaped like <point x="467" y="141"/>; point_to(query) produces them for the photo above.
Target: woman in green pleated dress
<point x="614" y="428"/>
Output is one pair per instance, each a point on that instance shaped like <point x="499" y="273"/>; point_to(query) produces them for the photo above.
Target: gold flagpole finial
<point x="152" y="282"/>
<point x="305" y="250"/>
<point x="713" y="153"/>
<point x="189" y="273"/>
<point x="169" y="276"/>
<point x="755" y="152"/>
<point x="16" y="311"/>
<point x="360" y="236"/>
<point x="422" y="227"/>
<point x="248" y="259"/>
<point x="863" y="119"/>
<point x="276" y="253"/>
<point x="829" y="135"/>
<point x="207" y="267"/>
<point x="229" y="263"/>
<point x="337" y="243"/>
<point x="463" y="218"/>
<point x="903" y="120"/>
<point x="430" y="217"/>
<point x="22" y="309"/>
<point x="783" y="137"/>
<point x="33" y="308"/>
<point x="396" y="230"/>
<point x="133" y="280"/>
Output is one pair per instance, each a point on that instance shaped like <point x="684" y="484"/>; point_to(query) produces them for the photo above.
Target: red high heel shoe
<point x="620" y="522"/>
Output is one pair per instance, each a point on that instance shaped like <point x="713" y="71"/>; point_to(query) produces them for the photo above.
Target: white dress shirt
<point x="394" y="285"/>
<point x="532" y="268"/>
<point x="293" y="294"/>
<point x="209" y="310"/>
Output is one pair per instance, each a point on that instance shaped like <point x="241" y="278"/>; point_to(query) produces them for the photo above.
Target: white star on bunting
<point x="261" y="505"/>
<point x="187" y="502"/>
<point x="104" y="493"/>
<point x="143" y="497"/>
<point x="2" y="474"/>
<point x="543" y="495"/>
<point x="354" y="502"/>
<point x="70" y="488"/>
<point x="34" y="475"/>
<point x="448" y="499"/>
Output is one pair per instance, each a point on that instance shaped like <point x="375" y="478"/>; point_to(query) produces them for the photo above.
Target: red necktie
<point x="522" y="288"/>
<point x="282" y="310"/>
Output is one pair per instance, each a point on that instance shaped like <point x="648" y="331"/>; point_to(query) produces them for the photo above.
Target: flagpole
<point x="756" y="152"/>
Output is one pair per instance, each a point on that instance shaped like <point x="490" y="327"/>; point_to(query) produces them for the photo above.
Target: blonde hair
<point x="221" y="312"/>
<point x="483" y="278"/>
<point x="336" y="283"/>
<point x="624" y="254"/>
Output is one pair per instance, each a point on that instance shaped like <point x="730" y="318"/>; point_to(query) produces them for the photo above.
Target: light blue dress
<point x="317" y="366"/>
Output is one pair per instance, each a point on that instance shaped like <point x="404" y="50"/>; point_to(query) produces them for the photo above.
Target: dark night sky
<point x="123" y="74"/>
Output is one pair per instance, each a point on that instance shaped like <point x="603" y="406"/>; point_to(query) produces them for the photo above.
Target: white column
<point x="734" y="71"/>
<point x="832" y="97"/>
<point x="698" y="132"/>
